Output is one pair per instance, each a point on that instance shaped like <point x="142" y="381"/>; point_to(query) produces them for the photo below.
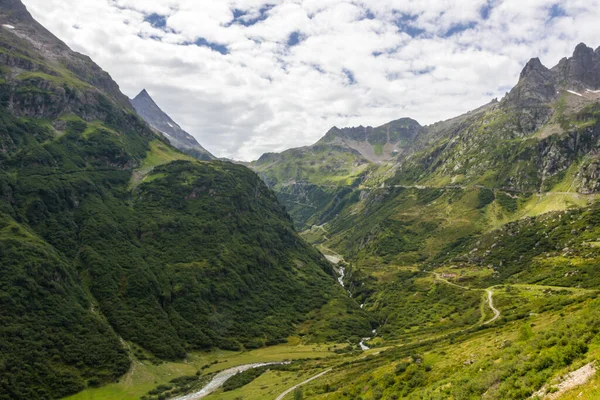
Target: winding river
<point x="221" y="378"/>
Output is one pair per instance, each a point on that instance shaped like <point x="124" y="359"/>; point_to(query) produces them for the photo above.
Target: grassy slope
<point x="145" y="376"/>
<point x="452" y="224"/>
<point x="548" y="325"/>
<point x="510" y="360"/>
<point x="315" y="182"/>
<point x="130" y="239"/>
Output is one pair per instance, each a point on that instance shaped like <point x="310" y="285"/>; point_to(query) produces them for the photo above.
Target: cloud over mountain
<point x="249" y="76"/>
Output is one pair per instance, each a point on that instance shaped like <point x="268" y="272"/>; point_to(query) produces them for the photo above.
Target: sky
<point x="247" y="77"/>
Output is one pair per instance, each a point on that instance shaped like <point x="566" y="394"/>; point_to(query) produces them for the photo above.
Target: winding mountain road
<point x="490" y="296"/>
<point x="491" y="304"/>
<point x="290" y="390"/>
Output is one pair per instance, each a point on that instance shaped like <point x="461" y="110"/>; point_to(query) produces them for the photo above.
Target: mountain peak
<point x="533" y="66"/>
<point x="581" y="50"/>
<point x="582" y="70"/>
<point x="147" y="108"/>
<point x="143" y="95"/>
<point x="15" y="10"/>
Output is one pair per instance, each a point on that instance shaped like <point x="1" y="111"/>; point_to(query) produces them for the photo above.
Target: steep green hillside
<point x="313" y="182"/>
<point x="112" y="240"/>
<point x="542" y="276"/>
<point x="492" y="211"/>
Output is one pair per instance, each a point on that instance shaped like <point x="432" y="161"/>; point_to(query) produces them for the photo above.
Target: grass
<point x="159" y="154"/>
<point x="95" y="126"/>
<point x="144" y="376"/>
<point x="228" y="359"/>
<point x="378" y="149"/>
<point x="267" y="386"/>
<point x="141" y="378"/>
<point x="525" y="299"/>
<point x="539" y="204"/>
<point x="450" y="368"/>
<point x="59" y="80"/>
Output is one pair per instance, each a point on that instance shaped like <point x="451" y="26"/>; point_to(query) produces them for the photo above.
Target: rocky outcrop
<point x="530" y="97"/>
<point x="48" y="53"/>
<point x="382" y="143"/>
<point x="159" y="120"/>
<point x="581" y="71"/>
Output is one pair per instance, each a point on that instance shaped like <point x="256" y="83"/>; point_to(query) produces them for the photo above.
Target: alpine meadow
<point x="457" y="259"/>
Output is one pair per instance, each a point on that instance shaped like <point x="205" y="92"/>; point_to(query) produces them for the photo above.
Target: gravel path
<point x="290" y="390"/>
<point x="491" y="304"/>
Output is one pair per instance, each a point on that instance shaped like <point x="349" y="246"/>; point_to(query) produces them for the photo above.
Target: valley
<point x="456" y="260"/>
<point x="458" y="237"/>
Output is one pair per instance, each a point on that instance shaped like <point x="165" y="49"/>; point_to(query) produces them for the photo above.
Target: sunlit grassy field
<point x="144" y="376"/>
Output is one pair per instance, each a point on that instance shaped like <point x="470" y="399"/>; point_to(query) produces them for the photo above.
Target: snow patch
<point x="168" y="123"/>
<point x="575" y="93"/>
<point x="592" y="91"/>
<point x="7" y="26"/>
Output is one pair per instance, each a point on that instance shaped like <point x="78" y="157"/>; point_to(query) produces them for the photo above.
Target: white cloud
<point x="355" y="62"/>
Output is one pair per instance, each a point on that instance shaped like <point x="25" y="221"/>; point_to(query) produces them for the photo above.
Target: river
<point x="221" y="378"/>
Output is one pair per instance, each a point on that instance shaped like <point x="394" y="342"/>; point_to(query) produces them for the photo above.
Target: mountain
<point x="316" y="182"/>
<point x="312" y="181"/>
<point x="157" y="119"/>
<point x="473" y="242"/>
<point x="534" y="152"/>
<point x="540" y="134"/>
<point x="116" y="248"/>
<point x="129" y="269"/>
<point x="376" y="144"/>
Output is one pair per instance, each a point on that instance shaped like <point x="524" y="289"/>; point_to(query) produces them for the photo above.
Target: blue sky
<point x="250" y="76"/>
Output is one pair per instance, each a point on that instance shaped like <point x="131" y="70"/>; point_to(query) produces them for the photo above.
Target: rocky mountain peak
<point x="582" y="50"/>
<point x="48" y="53"/>
<point x="145" y="101"/>
<point x="147" y="108"/>
<point x="534" y="69"/>
<point x="538" y="85"/>
<point x="15" y="10"/>
<point x="144" y="94"/>
<point x="581" y="71"/>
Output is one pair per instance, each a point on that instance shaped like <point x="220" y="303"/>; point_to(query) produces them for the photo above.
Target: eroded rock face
<point x="377" y="144"/>
<point x="539" y="86"/>
<point x="529" y="98"/>
<point x="31" y="47"/>
<point x="581" y="71"/>
<point x="159" y="120"/>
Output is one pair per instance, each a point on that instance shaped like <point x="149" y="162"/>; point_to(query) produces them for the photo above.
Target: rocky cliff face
<point x="51" y="55"/>
<point x="159" y="120"/>
<point x="546" y="125"/>
<point x="581" y="71"/>
<point x="43" y="78"/>
<point x="382" y="143"/>
<point x="541" y="135"/>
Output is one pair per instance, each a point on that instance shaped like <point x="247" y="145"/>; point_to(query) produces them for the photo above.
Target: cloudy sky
<point x="251" y="76"/>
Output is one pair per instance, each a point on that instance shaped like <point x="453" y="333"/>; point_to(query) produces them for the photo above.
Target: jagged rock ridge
<point x="147" y="108"/>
